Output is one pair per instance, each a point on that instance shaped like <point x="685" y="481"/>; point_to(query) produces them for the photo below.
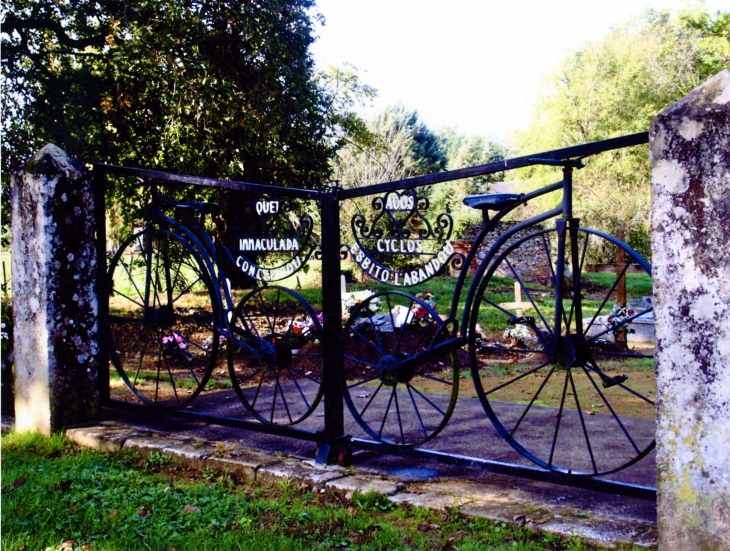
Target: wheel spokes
<point x="585" y="355"/>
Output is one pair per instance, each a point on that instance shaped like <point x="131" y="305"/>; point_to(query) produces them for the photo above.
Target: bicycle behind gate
<point x="171" y="311"/>
<point x="550" y="388"/>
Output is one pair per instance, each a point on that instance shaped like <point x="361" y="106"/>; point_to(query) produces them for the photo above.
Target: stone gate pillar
<point x="54" y="302"/>
<point x="690" y="179"/>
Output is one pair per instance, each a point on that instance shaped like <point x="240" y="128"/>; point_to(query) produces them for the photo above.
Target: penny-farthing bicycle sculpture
<point x="553" y="350"/>
<point x="171" y="310"/>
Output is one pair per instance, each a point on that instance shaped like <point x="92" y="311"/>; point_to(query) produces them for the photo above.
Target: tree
<point x="224" y="89"/>
<point x="341" y="90"/>
<point x="461" y="152"/>
<point x="399" y="146"/>
<point x="615" y="86"/>
<point x="403" y="147"/>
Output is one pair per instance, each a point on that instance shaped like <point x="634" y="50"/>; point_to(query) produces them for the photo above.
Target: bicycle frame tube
<point x="567" y="192"/>
<point x="491" y="224"/>
<point x="559" y="284"/>
<point x="170" y="178"/>
<point x="489" y="227"/>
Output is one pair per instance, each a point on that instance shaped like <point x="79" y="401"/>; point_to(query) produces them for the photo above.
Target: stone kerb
<point x="54" y="268"/>
<point x="690" y="178"/>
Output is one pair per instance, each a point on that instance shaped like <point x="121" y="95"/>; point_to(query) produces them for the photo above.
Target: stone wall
<point x="528" y="260"/>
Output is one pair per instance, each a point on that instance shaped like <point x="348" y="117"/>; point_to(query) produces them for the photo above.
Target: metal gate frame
<point x="333" y="444"/>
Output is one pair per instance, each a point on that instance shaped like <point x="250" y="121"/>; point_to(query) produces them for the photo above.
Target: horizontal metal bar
<point x="172" y="178"/>
<point x="582" y="150"/>
<point x="594" y="484"/>
<point x="253" y="426"/>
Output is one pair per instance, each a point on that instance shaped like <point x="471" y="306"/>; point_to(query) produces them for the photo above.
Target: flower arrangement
<point x="428" y="297"/>
<point x="306" y="328"/>
<point x="176" y="347"/>
<point x="351" y="300"/>
<point x="617" y="321"/>
<point x="520" y="334"/>
<point x="208" y="343"/>
<point x="479" y="337"/>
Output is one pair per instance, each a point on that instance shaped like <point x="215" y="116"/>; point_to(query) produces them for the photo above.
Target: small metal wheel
<point x="572" y="392"/>
<point x="398" y="390"/>
<point x="276" y="365"/>
<point x="161" y="330"/>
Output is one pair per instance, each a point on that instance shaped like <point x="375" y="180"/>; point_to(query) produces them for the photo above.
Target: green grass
<point x="179" y="382"/>
<point x="53" y="493"/>
<point x="443" y="289"/>
<point x="636" y="284"/>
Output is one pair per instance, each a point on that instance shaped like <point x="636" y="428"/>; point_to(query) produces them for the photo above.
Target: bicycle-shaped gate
<point x="548" y="371"/>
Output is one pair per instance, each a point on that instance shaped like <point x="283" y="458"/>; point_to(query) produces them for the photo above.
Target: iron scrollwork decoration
<point x="274" y="240"/>
<point x="400" y="246"/>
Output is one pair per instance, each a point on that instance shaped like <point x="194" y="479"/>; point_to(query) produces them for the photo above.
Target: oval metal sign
<point x="277" y="240"/>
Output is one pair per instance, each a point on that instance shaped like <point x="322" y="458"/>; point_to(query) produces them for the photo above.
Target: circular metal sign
<point x="400" y="246"/>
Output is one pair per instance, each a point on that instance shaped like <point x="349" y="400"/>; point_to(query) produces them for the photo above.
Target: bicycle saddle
<point x="199" y="207"/>
<point x="193" y="207"/>
<point x="492" y="201"/>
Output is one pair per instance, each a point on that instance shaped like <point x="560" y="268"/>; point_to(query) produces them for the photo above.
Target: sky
<point x="475" y="65"/>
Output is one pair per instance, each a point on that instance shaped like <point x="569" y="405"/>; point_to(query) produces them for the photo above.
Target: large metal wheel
<point x="572" y="392"/>
<point x="396" y="391"/>
<point x="163" y="339"/>
<point x="276" y="365"/>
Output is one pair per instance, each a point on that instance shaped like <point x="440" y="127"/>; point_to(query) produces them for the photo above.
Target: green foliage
<point x="464" y="151"/>
<point x="615" y="86"/>
<point x="372" y="501"/>
<point x="341" y="90"/>
<point x="636" y="284"/>
<point x="156" y="460"/>
<point x="401" y="146"/>
<point x="223" y="89"/>
<point x="35" y="444"/>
